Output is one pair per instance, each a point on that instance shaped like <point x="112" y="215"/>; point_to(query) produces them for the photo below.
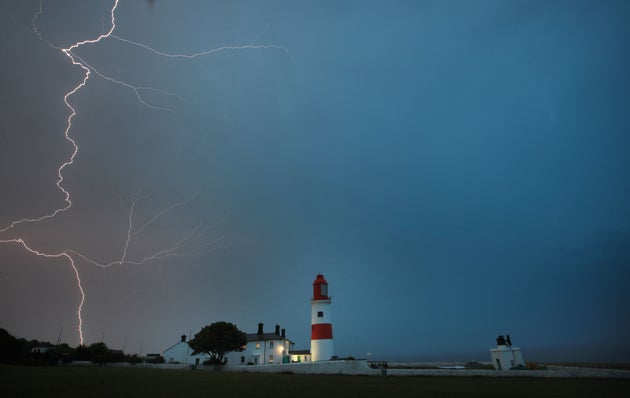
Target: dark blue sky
<point x="457" y="170"/>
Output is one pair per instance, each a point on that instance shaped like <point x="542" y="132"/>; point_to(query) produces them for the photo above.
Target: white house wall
<point x="182" y="353"/>
<point x="259" y="352"/>
<point x="300" y="357"/>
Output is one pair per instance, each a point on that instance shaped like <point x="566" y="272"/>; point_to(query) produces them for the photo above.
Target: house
<point x="40" y="350"/>
<point x="263" y="348"/>
<point x="182" y="353"/>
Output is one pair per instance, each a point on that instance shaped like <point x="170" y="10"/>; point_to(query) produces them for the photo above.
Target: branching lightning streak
<point x="187" y="244"/>
<point x="68" y="202"/>
<point x="75" y="149"/>
<point x="207" y="52"/>
<point x="179" y="248"/>
<point x="161" y="213"/>
<point x="64" y="254"/>
<point x="175" y="250"/>
<point x="133" y="88"/>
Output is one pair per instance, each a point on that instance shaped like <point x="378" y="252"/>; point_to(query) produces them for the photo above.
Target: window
<point x="270" y="358"/>
<point x="242" y="359"/>
<point x="258" y="346"/>
<point x="324" y="289"/>
<point x="511" y="362"/>
<point x="271" y="344"/>
<point x="320" y="314"/>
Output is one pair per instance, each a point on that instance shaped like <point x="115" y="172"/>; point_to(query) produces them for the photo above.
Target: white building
<point x="505" y="356"/>
<point x="182" y="353"/>
<point x="40" y="350"/>
<point x="263" y="348"/>
<point x="300" y="355"/>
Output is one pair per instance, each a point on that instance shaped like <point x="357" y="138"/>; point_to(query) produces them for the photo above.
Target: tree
<point x="95" y="353"/>
<point x="217" y="340"/>
<point x="11" y="349"/>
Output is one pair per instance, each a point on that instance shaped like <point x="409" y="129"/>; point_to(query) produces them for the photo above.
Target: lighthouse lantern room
<point x="321" y="322"/>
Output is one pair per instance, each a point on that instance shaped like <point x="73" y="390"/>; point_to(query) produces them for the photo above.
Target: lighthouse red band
<point x="321" y="331"/>
<point x="321" y="322"/>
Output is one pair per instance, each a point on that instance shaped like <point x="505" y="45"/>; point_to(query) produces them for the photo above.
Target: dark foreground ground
<point x="95" y="381"/>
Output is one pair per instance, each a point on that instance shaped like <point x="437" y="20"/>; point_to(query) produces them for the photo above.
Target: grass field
<point x="95" y="381"/>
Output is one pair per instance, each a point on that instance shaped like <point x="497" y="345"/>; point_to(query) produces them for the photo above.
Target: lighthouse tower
<point x="321" y="322"/>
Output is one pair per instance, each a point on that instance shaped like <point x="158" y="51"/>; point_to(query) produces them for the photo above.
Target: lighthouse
<point x="321" y="322"/>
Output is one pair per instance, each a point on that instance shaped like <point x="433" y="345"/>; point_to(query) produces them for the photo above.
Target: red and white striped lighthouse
<point x="321" y="322"/>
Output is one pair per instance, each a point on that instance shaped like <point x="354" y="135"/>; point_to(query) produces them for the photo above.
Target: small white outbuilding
<point x="182" y="353"/>
<point x="505" y="356"/>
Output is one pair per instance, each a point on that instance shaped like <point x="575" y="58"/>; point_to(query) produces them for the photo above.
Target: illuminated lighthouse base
<point x="322" y="348"/>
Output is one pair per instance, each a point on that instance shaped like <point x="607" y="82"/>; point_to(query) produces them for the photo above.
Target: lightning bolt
<point x="75" y="149"/>
<point x="194" y="241"/>
<point x="66" y="99"/>
<point x="66" y="255"/>
<point x="185" y="246"/>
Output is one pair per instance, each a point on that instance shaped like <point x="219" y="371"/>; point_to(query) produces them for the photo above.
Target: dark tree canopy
<point x="217" y="340"/>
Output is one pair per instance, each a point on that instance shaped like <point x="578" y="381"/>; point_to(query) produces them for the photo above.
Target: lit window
<point x="258" y="346"/>
<point x="270" y="358"/>
<point x="320" y="314"/>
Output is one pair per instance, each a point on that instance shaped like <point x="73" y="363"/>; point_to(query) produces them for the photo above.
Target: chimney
<point x="277" y="329"/>
<point x="260" y="327"/>
<point x="183" y="338"/>
<point x="284" y="333"/>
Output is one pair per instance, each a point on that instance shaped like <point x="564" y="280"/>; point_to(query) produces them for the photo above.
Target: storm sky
<point x="456" y="169"/>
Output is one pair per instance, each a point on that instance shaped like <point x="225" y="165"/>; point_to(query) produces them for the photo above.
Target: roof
<point x="175" y="345"/>
<point x="265" y="337"/>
